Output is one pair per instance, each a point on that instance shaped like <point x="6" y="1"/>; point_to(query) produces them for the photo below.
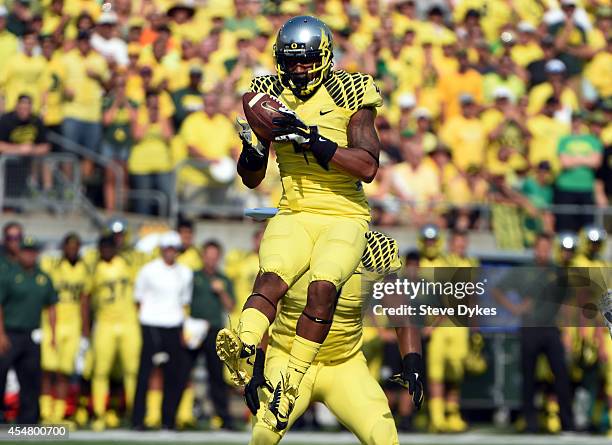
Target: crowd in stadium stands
<point x="96" y="334"/>
<point x="486" y="101"/>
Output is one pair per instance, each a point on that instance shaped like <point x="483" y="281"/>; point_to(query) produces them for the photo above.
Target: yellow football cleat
<point x="98" y="425"/>
<point x="111" y="419"/>
<point x="455" y="424"/>
<point x="280" y="406"/>
<point x="238" y="357"/>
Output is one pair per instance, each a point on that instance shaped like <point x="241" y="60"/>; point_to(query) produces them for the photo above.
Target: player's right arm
<point x="253" y="158"/>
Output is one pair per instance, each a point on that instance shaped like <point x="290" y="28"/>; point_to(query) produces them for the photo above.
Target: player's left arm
<point x="361" y="158"/>
<point x="413" y="369"/>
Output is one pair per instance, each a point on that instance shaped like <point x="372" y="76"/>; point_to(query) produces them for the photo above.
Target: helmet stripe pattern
<point x="380" y="253"/>
<point x="347" y="89"/>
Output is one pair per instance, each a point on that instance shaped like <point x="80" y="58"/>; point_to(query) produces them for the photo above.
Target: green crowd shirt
<point x="578" y="179"/>
<point x="205" y="304"/>
<point x="23" y="295"/>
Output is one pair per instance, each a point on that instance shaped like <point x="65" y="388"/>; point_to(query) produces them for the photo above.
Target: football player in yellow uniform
<point x="326" y="145"/>
<point x="447" y="351"/>
<point x="71" y="279"/>
<point x="339" y="376"/>
<point x="116" y="329"/>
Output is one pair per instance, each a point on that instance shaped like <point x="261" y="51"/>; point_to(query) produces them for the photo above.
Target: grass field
<point x="126" y="437"/>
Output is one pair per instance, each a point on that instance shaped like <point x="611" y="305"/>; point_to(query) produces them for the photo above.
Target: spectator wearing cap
<point x="182" y="23"/>
<point x="453" y="85"/>
<point x="213" y="298"/>
<point x="557" y="86"/>
<point x="546" y="130"/>
<point x="537" y="68"/>
<point x="86" y="78"/>
<point x="526" y="49"/>
<point x="571" y="39"/>
<point x="150" y="162"/>
<point x="465" y="135"/>
<point x="23" y="73"/>
<point x="145" y="77"/>
<point x="163" y="292"/>
<point x="105" y="41"/>
<point x="188" y="99"/>
<point x="580" y="154"/>
<point x="405" y="105"/>
<point x="9" y="43"/>
<point x="24" y="292"/>
<point x="24" y="136"/>
<point x="507" y="133"/>
<point x="508" y="76"/>
<point x="12" y="234"/>
<point x="117" y="138"/>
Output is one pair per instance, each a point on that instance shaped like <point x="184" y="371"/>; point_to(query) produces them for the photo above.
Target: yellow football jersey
<point x="71" y="282"/>
<point x="345" y="337"/>
<point x="306" y="185"/>
<point x="112" y="296"/>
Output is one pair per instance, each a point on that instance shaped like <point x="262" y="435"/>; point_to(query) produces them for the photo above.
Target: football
<point x="259" y="110"/>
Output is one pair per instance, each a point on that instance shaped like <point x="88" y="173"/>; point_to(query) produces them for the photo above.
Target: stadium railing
<point x="209" y="201"/>
<point x="161" y="201"/>
<point x="22" y="185"/>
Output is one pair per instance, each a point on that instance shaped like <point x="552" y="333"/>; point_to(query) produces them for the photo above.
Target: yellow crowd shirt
<point x="545" y="134"/>
<point x="467" y="139"/>
<point x="22" y="74"/>
<point x="52" y="87"/>
<point x="86" y="103"/>
<point x="152" y="153"/>
<point x="306" y="185"/>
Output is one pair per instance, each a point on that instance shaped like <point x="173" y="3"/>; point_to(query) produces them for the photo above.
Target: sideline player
<point x="116" y="328"/>
<point x="71" y="279"/>
<point x="339" y="377"/>
<point x="326" y="145"/>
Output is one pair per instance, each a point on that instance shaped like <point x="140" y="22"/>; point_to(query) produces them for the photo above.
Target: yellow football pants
<point x="61" y="358"/>
<point x="347" y="389"/>
<point x="330" y="246"/>
<point x="110" y="339"/>
<point x="446" y="353"/>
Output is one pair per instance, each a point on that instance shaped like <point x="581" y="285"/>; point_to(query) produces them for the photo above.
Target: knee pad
<point x="328" y="271"/>
<point x="383" y="432"/>
<point x="277" y="265"/>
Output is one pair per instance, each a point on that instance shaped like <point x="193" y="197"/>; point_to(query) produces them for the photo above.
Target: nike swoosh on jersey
<point x="323" y="113"/>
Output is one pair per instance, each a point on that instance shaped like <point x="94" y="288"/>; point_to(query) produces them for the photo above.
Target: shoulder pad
<point x="267" y="84"/>
<point x="347" y="89"/>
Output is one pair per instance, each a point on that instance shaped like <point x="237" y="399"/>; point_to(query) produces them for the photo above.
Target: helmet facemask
<point x="305" y="83"/>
